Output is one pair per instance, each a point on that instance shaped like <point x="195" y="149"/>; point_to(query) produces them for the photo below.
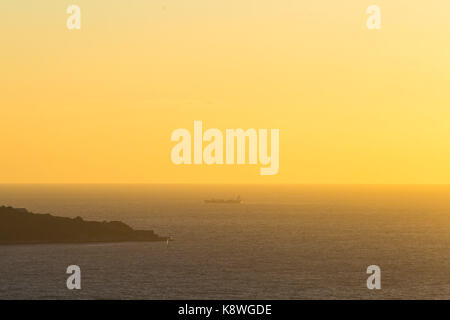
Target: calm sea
<point x="284" y="242"/>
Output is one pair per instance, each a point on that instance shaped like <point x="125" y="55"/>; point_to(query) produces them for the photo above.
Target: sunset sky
<point x="98" y="105"/>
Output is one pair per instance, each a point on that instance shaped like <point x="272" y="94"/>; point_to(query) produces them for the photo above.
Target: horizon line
<point x="225" y="183"/>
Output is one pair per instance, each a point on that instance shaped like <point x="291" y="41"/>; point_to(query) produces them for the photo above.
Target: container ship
<point x="238" y="200"/>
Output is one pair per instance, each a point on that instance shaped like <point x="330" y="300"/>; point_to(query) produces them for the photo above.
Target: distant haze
<point x="98" y="105"/>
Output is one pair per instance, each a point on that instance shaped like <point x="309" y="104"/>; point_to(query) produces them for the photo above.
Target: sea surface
<point x="284" y="242"/>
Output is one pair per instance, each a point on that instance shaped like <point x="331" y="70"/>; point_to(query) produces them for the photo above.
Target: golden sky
<point x="98" y="105"/>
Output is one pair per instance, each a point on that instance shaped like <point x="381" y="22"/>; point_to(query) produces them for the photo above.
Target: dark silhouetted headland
<point x="19" y="226"/>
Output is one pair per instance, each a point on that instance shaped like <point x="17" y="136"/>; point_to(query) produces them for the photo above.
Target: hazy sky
<point x="98" y="105"/>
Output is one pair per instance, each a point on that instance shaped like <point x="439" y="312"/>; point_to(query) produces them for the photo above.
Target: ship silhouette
<point x="238" y="200"/>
